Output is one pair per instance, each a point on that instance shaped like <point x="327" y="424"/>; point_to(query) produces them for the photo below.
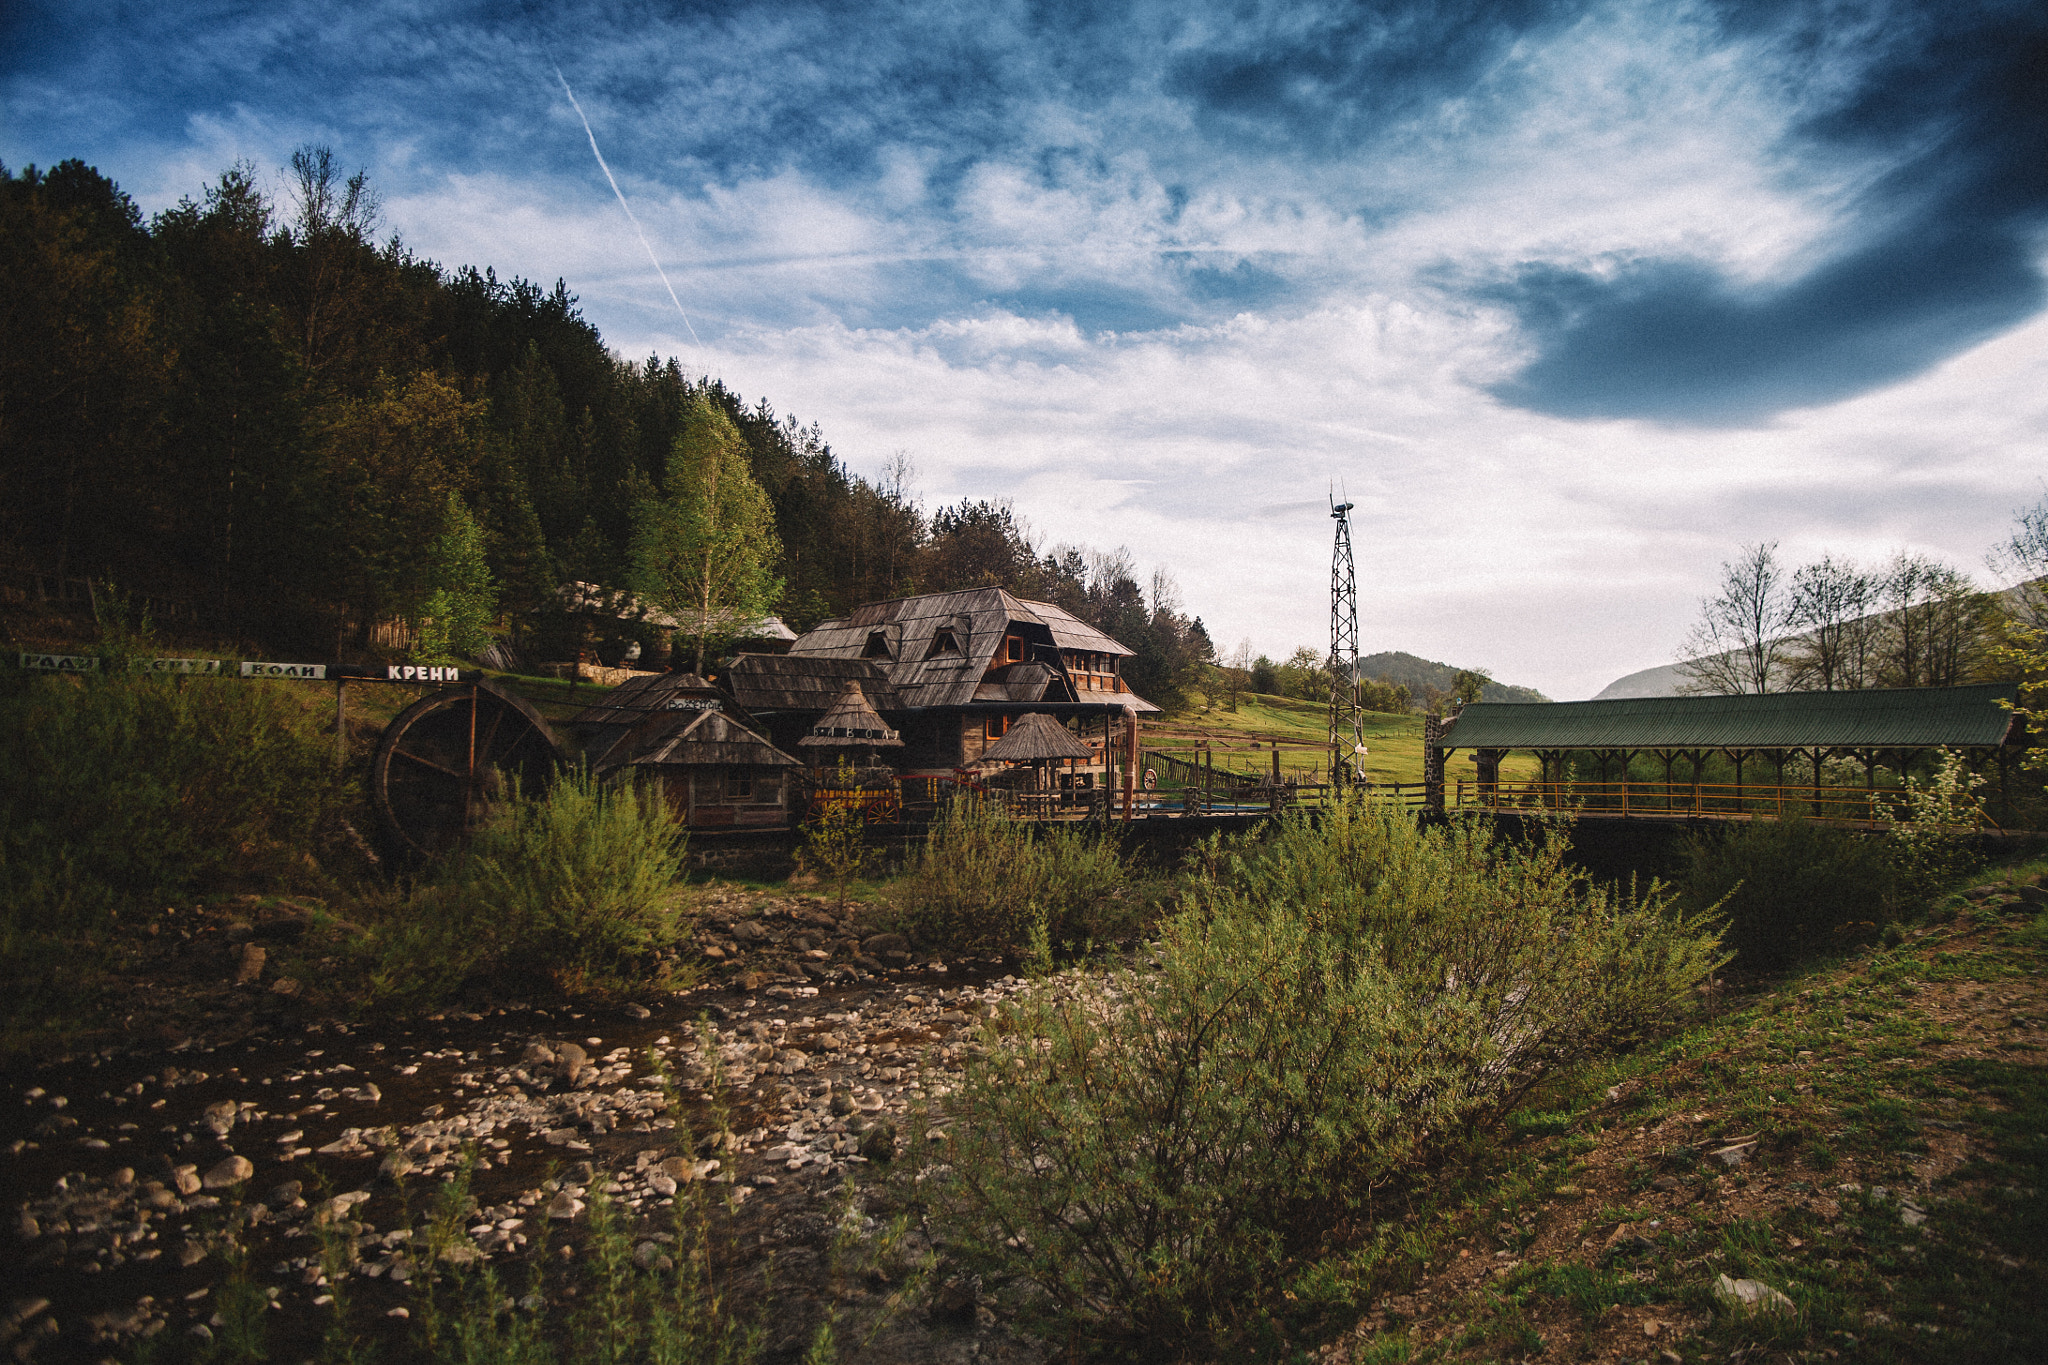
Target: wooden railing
<point x="1866" y="807"/>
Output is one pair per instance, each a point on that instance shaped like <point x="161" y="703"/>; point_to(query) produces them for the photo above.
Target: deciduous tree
<point x="704" y="550"/>
<point x="1738" y="644"/>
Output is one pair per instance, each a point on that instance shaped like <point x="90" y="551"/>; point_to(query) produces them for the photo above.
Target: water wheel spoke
<point x="486" y="753"/>
<point x="428" y="763"/>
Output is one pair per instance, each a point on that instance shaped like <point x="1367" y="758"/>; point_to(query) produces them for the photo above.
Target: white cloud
<point x="927" y="294"/>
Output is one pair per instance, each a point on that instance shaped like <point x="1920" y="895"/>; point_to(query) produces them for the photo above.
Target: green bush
<point x="1788" y="889"/>
<point x="1164" y="1157"/>
<point x="577" y="885"/>
<point x="572" y="890"/>
<point x="120" y="793"/>
<point x="133" y="788"/>
<point x="983" y="882"/>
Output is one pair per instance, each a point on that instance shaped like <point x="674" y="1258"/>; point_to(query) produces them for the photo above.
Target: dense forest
<point x="301" y="433"/>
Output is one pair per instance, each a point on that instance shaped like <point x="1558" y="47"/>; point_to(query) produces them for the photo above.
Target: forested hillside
<point x="1425" y="677"/>
<point x="262" y="410"/>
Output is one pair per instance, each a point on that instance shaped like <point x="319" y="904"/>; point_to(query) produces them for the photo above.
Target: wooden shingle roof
<point x="697" y="739"/>
<point x="791" y="682"/>
<point x="636" y="697"/>
<point x="936" y="649"/>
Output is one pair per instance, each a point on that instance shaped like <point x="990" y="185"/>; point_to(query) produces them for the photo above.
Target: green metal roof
<point x="1901" y="718"/>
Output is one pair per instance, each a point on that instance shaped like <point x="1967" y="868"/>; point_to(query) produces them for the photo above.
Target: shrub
<point x="121" y="792"/>
<point x="1932" y="822"/>
<point x="835" y="846"/>
<point x="135" y="788"/>
<point x="577" y="885"/>
<point x="1164" y="1156"/>
<point x="983" y="882"/>
<point x="1788" y="889"/>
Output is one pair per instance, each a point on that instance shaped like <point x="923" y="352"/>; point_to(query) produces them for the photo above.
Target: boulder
<point x="878" y="1143"/>
<point x="233" y="1171"/>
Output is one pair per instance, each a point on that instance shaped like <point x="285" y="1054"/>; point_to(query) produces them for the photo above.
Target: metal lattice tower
<point x="1347" y="722"/>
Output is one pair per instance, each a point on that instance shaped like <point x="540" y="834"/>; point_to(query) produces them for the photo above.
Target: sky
<point x="1570" y="300"/>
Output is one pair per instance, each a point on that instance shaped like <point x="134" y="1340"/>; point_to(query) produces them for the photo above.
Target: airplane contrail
<point x="638" y="230"/>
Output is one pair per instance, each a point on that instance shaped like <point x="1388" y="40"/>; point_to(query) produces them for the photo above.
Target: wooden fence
<point x="1861" y="807"/>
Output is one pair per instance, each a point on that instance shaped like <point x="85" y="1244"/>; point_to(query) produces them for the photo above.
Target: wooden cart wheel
<point x="448" y="757"/>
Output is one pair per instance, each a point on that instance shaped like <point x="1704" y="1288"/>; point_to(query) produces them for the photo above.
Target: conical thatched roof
<point x="1033" y="738"/>
<point x="853" y="723"/>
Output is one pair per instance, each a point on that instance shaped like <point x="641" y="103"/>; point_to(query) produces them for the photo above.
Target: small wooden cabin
<point x="714" y="772"/>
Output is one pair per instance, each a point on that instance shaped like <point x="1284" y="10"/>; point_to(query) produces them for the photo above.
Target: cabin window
<point x="1016" y="648"/>
<point x="877" y="646"/>
<point x="997" y="727"/>
<point x="943" y="642"/>
<point x="739" y="784"/>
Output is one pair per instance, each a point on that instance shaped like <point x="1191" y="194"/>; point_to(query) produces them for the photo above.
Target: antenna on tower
<point x="1347" y="720"/>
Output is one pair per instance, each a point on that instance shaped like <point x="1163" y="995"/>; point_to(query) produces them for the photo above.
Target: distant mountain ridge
<point x="1419" y="674"/>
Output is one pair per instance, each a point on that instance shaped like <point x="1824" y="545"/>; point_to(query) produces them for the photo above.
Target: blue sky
<point x="1572" y="298"/>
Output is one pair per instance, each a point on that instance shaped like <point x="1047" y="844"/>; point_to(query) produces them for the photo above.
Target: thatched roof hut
<point x="851" y="723"/>
<point x="1036" y="738"/>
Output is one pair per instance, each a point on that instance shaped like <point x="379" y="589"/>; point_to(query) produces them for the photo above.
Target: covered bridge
<point x="1875" y="729"/>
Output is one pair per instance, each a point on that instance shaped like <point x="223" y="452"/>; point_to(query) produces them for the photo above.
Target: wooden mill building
<point x="714" y="771"/>
<point x="951" y="672"/>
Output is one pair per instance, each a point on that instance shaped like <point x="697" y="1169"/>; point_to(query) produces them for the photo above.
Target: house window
<point x="739" y="784"/>
<point x="997" y="727"/>
<point x="877" y="646"/>
<point x="943" y="642"/>
<point x="1016" y="648"/>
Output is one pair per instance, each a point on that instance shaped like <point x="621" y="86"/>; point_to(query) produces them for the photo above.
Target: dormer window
<point x="877" y="646"/>
<point x="1016" y="648"/>
<point x="944" y="643"/>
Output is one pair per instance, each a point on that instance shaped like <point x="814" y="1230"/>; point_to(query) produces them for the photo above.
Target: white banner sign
<point x="252" y="669"/>
<point x="175" y="665"/>
<point x="420" y="673"/>
<point x="62" y="663"/>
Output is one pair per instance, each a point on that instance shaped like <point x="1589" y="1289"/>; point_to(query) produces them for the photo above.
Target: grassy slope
<point x="1395" y="742"/>
<point x="1897" y="1194"/>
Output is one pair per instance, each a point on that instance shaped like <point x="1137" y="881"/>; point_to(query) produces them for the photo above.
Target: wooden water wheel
<point x="446" y="758"/>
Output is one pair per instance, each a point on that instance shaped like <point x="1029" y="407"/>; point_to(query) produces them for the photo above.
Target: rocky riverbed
<point x="780" y="1093"/>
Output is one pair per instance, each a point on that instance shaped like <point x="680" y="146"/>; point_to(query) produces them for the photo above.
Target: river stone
<point x="220" y="1117"/>
<point x="233" y="1171"/>
<point x="1750" y="1297"/>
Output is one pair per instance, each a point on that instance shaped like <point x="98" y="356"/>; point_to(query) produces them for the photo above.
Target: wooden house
<point x="951" y="672"/>
<point x="713" y="770"/>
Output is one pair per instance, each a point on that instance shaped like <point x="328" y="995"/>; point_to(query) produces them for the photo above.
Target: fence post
<point x="1432" y="764"/>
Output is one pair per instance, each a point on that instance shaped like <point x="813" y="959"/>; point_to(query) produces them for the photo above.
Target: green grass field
<point x="1300" y="729"/>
